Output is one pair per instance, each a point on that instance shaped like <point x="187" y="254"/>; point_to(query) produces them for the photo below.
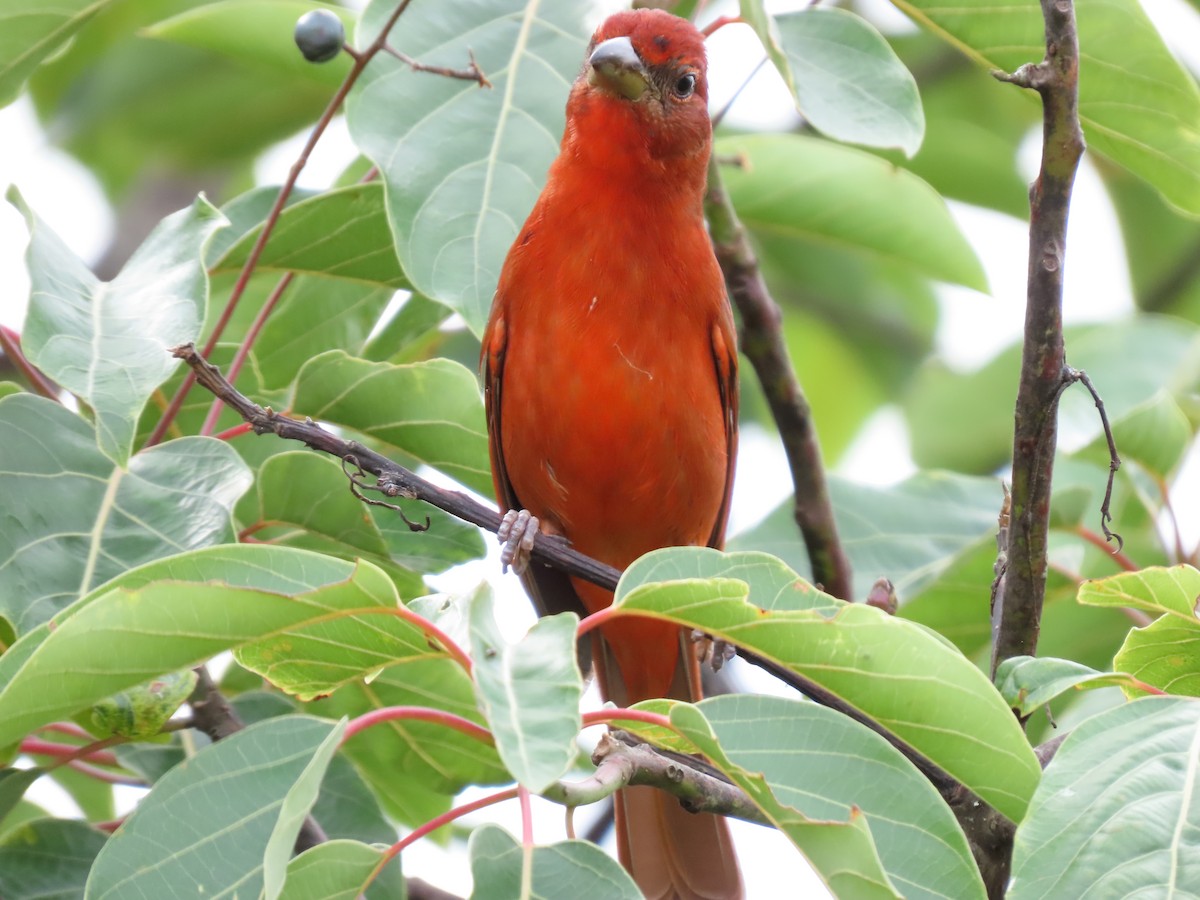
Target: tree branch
<point x="1017" y="611"/>
<point x="762" y="343"/>
<point x="392" y="480"/>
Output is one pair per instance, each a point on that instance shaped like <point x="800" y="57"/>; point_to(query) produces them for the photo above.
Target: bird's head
<point x="644" y="80"/>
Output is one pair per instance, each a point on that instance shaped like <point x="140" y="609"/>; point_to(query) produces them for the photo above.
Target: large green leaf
<point x="334" y="870"/>
<point x="1165" y="654"/>
<point x="316" y="314"/>
<point x="1174" y="591"/>
<point x="504" y="870"/>
<point x="915" y="684"/>
<point x="810" y="190"/>
<point x="802" y="757"/>
<point x="529" y="691"/>
<point x="359" y="248"/>
<point x="48" y="859"/>
<point x="74" y="520"/>
<point x="109" y="343"/>
<point x="29" y="32"/>
<point x="415" y="768"/>
<point x="910" y="533"/>
<point x="183" y="610"/>
<point x="303" y="500"/>
<point x="246" y="796"/>
<point x="1028" y="682"/>
<point x="1117" y="813"/>
<point x="847" y="82"/>
<point x="463" y="166"/>
<point x="432" y="410"/>
<point x="1138" y="105"/>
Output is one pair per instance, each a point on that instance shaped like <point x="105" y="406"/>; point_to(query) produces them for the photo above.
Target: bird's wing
<point x="549" y="589"/>
<point x="725" y="360"/>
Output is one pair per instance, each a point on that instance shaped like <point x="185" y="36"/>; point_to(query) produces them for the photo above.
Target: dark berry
<point x="320" y="35"/>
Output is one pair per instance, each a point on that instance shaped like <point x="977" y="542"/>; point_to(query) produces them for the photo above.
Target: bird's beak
<point x="615" y="66"/>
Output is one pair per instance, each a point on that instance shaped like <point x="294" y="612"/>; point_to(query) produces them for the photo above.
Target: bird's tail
<point x="674" y="854"/>
<point x="671" y="853"/>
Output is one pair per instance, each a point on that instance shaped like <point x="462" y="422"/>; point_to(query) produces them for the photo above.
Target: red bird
<point x="610" y="375"/>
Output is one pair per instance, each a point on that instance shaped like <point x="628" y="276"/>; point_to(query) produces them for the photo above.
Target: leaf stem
<point x="421" y="714"/>
<point x="434" y="824"/>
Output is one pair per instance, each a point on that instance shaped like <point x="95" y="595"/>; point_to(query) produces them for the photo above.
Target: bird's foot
<point x="517" y="532"/>
<point x="712" y="651"/>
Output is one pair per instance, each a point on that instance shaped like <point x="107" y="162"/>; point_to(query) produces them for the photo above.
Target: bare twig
<point x="472" y="72"/>
<point x="1016" y="616"/>
<point x="623" y="760"/>
<point x="392" y="480"/>
<point x="763" y="344"/>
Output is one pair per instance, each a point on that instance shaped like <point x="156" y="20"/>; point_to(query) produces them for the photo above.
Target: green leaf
<point x="911" y="533"/>
<point x="334" y="870"/>
<point x="811" y="190"/>
<point x="1116" y="813"/>
<point x="463" y="166"/>
<point x="13" y="785"/>
<point x="255" y="32"/>
<point x="847" y="82"/>
<point x="48" y="859"/>
<point x="1028" y="682"/>
<point x="30" y="32"/>
<point x="565" y="869"/>
<point x="972" y="130"/>
<point x="109" y="344"/>
<point x="77" y="521"/>
<point x="529" y="691"/>
<point x="1165" y="654"/>
<point x="303" y="500"/>
<point x="914" y="684"/>
<point x="1174" y="591"/>
<point x="431" y="410"/>
<point x="417" y="318"/>
<point x="247" y="795"/>
<point x="359" y="249"/>
<point x="798" y="757"/>
<point x="166" y="616"/>
<point x="315" y="315"/>
<point x="1156" y="136"/>
<point x="413" y="767"/>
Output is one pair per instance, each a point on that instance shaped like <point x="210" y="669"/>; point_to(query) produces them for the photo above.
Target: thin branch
<point x="472" y="72"/>
<point x="623" y="760"/>
<point x="418" y="713"/>
<point x="1016" y="616"/>
<point x="392" y="480"/>
<point x="762" y="343"/>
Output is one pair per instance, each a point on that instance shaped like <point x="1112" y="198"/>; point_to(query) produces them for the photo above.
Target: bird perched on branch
<point x="610" y="374"/>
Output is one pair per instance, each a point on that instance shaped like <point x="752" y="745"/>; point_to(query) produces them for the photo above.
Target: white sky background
<point x="974" y="327"/>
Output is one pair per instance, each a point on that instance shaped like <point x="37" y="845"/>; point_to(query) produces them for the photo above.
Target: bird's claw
<point x="517" y="532"/>
<point x="713" y="651"/>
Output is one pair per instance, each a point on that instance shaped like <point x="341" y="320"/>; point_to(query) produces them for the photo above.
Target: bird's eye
<point x="685" y="85"/>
